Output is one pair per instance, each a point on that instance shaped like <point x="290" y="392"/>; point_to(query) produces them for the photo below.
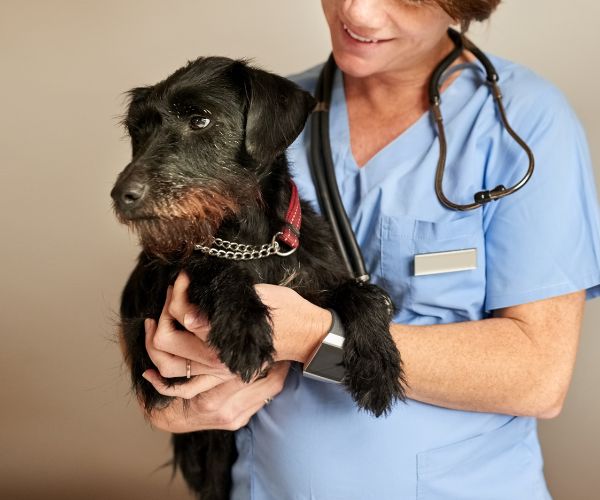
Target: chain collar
<point x="289" y="235"/>
<point x="240" y="251"/>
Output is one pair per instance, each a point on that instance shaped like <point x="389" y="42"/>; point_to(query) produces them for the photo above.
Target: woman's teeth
<point x="358" y="37"/>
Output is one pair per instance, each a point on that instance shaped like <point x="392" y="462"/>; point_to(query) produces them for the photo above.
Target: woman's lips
<point x="362" y="39"/>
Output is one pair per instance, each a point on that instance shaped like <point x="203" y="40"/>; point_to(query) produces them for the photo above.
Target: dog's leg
<point x="205" y="459"/>
<point x="142" y="298"/>
<point x="374" y="375"/>
<point x="240" y="324"/>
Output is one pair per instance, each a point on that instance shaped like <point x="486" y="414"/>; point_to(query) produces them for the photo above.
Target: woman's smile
<point x="363" y="39"/>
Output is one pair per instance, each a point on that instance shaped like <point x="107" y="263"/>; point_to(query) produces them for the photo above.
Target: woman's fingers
<point x="158" y="357"/>
<point x="186" y="390"/>
<point x="273" y="385"/>
<point x="209" y="410"/>
<point x="227" y="406"/>
<point x="181" y="342"/>
<point x="233" y="401"/>
<point x="243" y="418"/>
<point x="184" y="345"/>
<point x="185" y="313"/>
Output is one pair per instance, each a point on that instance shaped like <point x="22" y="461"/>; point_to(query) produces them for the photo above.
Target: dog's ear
<point x="138" y="94"/>
<point x="276" y="113"/>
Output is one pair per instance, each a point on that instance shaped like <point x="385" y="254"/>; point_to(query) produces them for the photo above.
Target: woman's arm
<point x="519" y="362"/>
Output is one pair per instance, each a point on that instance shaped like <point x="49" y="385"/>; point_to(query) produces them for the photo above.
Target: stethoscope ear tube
<point x="481" y="197"/>
<point x="323" y="174"/>
<point x="434" y="90"/>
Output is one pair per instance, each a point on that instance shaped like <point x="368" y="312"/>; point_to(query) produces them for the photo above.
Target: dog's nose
<point x="129" y="195"/>
<point x="133" y="193"/>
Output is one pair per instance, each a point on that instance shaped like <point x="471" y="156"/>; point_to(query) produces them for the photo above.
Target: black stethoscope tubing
<point x="322" y="168"/>
<point x="323" y="173"/>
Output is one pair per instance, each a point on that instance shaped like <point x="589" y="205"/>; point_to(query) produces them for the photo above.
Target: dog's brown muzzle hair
<point x="175" y="224"/>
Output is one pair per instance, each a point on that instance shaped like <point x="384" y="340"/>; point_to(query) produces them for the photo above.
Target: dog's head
<point x="203" y="141"/>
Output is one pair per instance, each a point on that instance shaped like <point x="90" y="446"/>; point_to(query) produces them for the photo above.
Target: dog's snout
<point x="129" y="195"/>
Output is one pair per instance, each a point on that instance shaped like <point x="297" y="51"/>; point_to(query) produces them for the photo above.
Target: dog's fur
<point x="186" y="185"/>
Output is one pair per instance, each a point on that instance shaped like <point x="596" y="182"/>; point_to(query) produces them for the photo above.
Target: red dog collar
<point x="293" y="218"/>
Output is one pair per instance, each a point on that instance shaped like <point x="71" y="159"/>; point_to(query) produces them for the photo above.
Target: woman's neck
<point x="383" y="105"/>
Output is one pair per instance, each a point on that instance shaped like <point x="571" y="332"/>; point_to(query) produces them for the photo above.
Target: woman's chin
<point x="357" y="66"/>
<point x="359" y="59"/>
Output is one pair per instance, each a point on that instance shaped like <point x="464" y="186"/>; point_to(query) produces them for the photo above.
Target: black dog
<point x="208" y="166"/>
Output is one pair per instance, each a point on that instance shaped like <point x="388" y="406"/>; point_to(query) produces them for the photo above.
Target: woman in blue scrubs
<point x="486" y="351"/>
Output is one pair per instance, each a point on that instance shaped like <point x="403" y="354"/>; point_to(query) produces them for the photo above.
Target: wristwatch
<point x="325" y="363"/>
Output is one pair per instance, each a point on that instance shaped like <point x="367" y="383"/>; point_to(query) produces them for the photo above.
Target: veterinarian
<point x="486" y="350"/>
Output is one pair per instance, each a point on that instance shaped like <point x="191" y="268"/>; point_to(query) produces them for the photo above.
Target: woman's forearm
<point x="519" y="362"/>
<point x="489" y="365"/>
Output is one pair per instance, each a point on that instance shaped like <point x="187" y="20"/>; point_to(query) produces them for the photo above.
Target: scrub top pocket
<point x="436" y="298"/>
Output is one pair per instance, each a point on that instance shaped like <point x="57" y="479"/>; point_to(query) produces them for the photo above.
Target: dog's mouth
<point x="166" y="237"/>
<point x="132" y="219"/>
<point x="176" y="224"/>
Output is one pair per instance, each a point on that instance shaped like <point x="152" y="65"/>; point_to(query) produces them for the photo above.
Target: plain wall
<point x="69" y="428"/>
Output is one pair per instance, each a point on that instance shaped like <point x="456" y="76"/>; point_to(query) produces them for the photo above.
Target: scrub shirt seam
<point x="529" y="290"/>
<point x="591" y="277"/>
<point x="587" y="282"/>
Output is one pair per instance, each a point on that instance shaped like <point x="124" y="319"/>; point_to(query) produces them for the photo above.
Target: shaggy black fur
<point x="208" y="160"/>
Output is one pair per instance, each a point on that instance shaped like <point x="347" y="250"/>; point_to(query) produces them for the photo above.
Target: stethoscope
<point x="322" y="169"/>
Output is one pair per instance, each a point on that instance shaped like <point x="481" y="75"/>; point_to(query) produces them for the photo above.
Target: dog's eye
<point x="198" y="122"/>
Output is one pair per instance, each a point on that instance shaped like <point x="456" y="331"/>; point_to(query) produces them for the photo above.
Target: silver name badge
<point x="445" y="262"/>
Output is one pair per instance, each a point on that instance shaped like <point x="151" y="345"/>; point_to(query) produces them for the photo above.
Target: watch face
<point x="327" y="363"/>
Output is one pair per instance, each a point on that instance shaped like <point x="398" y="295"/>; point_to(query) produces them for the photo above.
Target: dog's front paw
<point x="374" y="375"/>
<point x="244" y="345"/>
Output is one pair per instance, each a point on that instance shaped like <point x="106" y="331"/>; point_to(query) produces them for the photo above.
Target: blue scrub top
<point x="311" y="442"/>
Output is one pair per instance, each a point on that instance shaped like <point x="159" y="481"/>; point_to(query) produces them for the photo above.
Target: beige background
<point x="68" y="426"/>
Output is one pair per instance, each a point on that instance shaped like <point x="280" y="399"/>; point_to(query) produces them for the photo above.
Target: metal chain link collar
<point x="240" y="251"/>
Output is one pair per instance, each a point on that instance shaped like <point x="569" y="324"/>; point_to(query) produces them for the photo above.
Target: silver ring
<point x="188" y="368"/>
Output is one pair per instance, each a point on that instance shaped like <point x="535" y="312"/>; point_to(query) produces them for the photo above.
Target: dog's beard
<point x="174" y="226"/>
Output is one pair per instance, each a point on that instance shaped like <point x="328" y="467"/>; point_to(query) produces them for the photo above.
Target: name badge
<point x="445" y="262"/>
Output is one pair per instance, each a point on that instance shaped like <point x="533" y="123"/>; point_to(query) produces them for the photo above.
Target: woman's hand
<point x="169" y="348"/>
<point x="228" y="405"/>
<point x="216" y="398"/>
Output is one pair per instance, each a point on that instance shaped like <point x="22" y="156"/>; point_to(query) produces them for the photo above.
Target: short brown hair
<point x="466" y="11"/>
